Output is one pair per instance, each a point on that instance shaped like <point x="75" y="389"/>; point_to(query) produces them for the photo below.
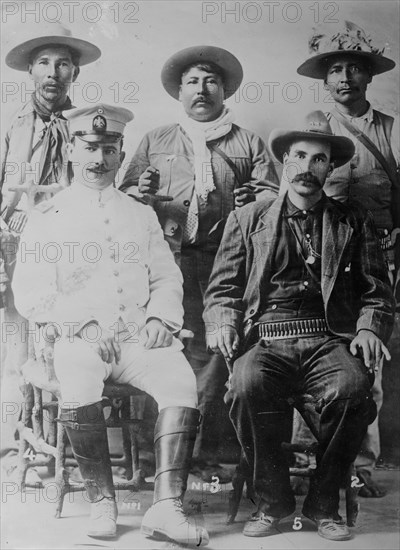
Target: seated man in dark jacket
<point x="301" y="280"/>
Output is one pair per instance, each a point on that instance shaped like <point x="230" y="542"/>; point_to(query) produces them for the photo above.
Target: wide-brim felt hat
<point x="53" y="34"/>
<point x="315" y="127"/>
<point x="349" y="39"/>
<point x="173" y="68"/>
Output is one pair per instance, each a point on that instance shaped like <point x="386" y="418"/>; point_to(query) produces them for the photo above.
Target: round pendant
<point x="310" y="260"/>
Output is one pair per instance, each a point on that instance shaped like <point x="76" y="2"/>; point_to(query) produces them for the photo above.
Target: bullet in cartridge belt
<point x="292" y="329"/>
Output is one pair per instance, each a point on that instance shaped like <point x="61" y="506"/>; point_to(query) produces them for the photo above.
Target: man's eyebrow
<point x="46" y="56"/>
<point x="341" y="64"/>
<point x="321" y="154"/>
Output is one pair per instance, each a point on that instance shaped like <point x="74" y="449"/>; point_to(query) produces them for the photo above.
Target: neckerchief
<point x="53" y="141"/>
<point x="199" y="133"/>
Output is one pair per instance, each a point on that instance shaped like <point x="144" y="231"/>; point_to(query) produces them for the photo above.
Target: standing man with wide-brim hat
<point x="304" y="320"/>
<point x="208" y="166"/>
<point x="33" y="158"/>
<point x="346" y="58"/>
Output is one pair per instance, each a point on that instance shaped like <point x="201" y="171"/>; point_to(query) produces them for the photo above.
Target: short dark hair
<point x="207" y="66"/>
<point x="75" y="55"/>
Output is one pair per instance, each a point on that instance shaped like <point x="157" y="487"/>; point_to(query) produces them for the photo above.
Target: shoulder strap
<point x="228" y="161"/>
<point x="362" y="138"/>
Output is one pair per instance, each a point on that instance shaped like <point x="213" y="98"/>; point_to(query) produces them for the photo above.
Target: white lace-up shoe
<point x="103" y="518"/>
<point x="166" y="519"/>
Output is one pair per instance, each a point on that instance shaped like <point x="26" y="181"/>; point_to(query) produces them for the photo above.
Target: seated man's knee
<point x="75" y="353"/>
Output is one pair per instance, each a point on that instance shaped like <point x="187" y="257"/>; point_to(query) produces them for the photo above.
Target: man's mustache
<point x="306" y="177"/>
<point x="347" y="88"/>
<point x="201" y="99"/>
<point x="52" y="85"/>
<point x="98" y="170"/>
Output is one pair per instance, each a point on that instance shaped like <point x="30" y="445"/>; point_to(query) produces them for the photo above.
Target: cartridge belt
<point x="296" y="328"/>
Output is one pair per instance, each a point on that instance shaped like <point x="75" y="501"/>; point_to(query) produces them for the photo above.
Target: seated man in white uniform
<point x="106" y="281"/>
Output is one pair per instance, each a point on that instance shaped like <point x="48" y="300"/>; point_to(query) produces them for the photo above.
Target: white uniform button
<point x="119" y="290"/>
<point x="116" y="273"/>
<point x="106" y="220"/>
<point x="109" y="238"/>
<point x="122" y="307"/>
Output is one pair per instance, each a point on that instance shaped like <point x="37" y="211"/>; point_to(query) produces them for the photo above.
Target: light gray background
<point x="270" y="41"/>
<point x="269" y="38"/>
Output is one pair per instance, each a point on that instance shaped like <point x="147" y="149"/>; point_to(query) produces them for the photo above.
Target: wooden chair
<point x="126" y="411"/>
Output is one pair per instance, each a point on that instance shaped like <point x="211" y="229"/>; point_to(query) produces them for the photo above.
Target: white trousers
<point x="163" y="373"/>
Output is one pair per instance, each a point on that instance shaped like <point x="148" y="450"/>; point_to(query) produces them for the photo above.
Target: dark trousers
<point x="332" y="392"/>
<point x="210" y="369"/>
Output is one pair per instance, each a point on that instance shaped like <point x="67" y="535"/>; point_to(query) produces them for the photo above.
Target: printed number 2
<point x="355" y="482"/>
<point x="297" y="525"/>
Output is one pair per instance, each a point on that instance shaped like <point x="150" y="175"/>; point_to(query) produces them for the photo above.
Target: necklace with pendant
<point x="312" y="254"/>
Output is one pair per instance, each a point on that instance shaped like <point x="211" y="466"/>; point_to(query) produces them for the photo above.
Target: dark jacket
<point x="354" y="283"/>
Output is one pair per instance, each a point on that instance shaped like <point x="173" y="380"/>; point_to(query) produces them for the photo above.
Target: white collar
<point x="92" y="195"/>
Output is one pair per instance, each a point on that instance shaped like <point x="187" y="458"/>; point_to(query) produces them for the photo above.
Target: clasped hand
<point x="149" y="184"/>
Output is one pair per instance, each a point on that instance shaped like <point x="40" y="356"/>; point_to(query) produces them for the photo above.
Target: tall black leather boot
<point x="174" y="438"/>
<point x="86" y="429"/>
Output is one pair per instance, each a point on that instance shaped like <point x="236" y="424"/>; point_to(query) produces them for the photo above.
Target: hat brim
<point x="316" y="66"/>
<point x="19" y="57"/>
<point x="230" y="66"/>
<point x="342" y="148"/>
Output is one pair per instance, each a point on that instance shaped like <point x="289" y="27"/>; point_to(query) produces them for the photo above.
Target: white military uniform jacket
<point x="90" y="255"/>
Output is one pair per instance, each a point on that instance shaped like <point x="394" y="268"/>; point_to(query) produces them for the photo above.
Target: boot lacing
<point x="104" y="507"/>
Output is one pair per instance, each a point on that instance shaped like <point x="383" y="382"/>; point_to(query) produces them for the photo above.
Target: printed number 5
<point x="297" y="525"/>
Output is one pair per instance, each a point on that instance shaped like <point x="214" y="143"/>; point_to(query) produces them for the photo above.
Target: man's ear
<point x="285" y="158"/>
<point x="77" y="70"/>
<point x="122" y="157"/>
<point x="331" y="168"/>
<point x="30" y="70"/>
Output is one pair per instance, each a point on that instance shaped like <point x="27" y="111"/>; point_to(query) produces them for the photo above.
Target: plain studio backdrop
<point x="269" y="38"/>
